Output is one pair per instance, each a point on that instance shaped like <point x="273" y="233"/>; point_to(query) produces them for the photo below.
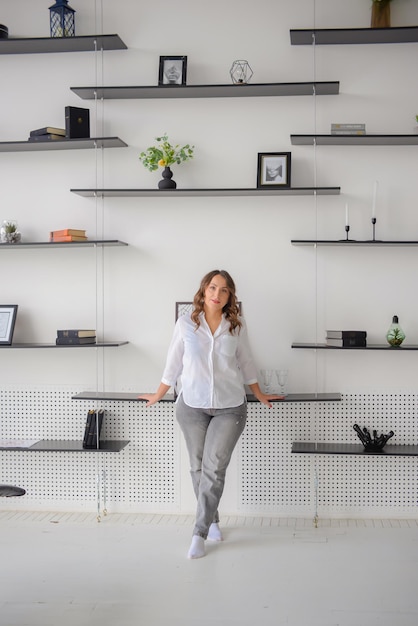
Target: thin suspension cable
<point x="315" y="178"/>
<point x="99" y="250"/>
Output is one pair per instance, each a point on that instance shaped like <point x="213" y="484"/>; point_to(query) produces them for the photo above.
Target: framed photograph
<point x="172" y="71"/>
<point x="186" y="308"/>
<point x="8" y="314"/>
<point x="273" y="169"/>
<point x="183" y="308"/>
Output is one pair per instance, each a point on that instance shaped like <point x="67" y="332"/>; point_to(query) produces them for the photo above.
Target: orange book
<point x="67" y="231"/>
<point x="68" y="238"/>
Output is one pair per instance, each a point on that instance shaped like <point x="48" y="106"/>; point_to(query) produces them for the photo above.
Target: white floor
<point x="68" y="569"/>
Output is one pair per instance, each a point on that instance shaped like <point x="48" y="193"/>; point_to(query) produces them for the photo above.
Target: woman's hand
<point x="265" y="399"/>
<point x="151" y="398"/>
<point x="262" y="397"/>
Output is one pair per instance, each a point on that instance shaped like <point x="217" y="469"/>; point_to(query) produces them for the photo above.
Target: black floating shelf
<point x="386" y="347"/>
<point x="302" y="447"/>
<point x="116" y="396"/>
<point x="322" y="88"/>
<point x="336" y="36"/>
<point x="303" y="397"/>
<point x="90" y="243"/>
<point x="133" y="397"/>
<point x="85" y="43"/>
<point x="354" y="140"/>
<point x="99" y="344"/>
<point x="184" y="193"/>
<point x="63" y="445"/>
<point x="351" y="243"/>
<point x="62" y="144"/>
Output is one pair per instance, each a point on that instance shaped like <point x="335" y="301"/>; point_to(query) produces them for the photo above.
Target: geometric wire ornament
<point x="241" y="72"/>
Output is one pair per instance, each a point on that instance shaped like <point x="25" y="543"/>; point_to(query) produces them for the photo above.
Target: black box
<point x="77" y="123"/>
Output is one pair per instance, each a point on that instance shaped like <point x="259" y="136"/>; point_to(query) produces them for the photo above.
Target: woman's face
<point x="216" y="294"/>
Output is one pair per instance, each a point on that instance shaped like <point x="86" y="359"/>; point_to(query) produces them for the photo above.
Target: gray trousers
<point x="211" y="436"/>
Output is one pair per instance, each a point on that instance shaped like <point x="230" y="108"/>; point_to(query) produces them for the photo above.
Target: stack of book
<point x="93" y="428"/>
<point x="68" y="234"/>
<point x="75" y="337"/>
<point x="348" y="129"/>
<point x="47" y="133"/>
<point x="346" y="338"/>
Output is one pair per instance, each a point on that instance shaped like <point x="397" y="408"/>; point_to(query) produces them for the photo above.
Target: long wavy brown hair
<point x="231" y="308"/>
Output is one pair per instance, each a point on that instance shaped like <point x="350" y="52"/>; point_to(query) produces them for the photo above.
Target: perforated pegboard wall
<point x="145" y="472"/>
<point x="274" y="479"/>
<point x="153" y="454"/>
<point x="271" y="480"/>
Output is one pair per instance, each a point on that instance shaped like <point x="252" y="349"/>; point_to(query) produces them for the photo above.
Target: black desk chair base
<point x="8" y="491"/>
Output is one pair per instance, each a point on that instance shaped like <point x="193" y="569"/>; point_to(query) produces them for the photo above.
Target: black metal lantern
<point x="61" y="18"/>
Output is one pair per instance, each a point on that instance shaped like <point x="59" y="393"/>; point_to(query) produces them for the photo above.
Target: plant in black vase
<point x="163" y="155"/>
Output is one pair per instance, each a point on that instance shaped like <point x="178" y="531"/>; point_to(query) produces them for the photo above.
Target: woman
<point x="210" y="352"/>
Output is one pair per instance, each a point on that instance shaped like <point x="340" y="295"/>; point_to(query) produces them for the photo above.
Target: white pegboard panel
<point x="272" y="480"/>
<point x="367" y="483"/>
<point x="153" y="455"/>
<point x="371" y="483"/>
<point x="52" y="479"/>
<point x="363" y="486"/>
<point x="275" y="479"/>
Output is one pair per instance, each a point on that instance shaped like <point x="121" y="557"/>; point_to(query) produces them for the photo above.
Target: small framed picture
<point x="183" y="308"/>
<point x="186" y="308"/>
<point x="273" y="169"/>
<point x="8" y="314"/>
<point x="173" y="70"/>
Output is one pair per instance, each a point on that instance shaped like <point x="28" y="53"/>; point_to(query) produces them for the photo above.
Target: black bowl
<point x="4" y="31"/>
<point x="374" y="447"/>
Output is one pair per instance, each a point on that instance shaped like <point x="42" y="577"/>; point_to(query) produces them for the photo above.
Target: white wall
<point x="289" y="294"/>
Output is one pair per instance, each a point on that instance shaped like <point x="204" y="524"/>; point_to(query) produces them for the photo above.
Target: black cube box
<point x="77" y="123"/>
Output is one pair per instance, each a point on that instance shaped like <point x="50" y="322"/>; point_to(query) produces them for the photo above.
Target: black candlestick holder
<point x="374" y="220"/>
<point x="347" y="230"/>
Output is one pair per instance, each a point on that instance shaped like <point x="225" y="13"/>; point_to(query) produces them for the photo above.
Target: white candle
<point x="374" y="199"/>
<point x="346" y="214"/>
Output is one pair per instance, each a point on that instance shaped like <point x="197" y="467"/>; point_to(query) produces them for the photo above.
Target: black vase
<point x="166" y="182"/>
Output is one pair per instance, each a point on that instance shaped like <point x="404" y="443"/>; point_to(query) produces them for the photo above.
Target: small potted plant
<point x="9" y="232"/>
<point x="163" y="155"/>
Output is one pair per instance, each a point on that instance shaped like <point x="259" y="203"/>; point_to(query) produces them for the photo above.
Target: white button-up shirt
<point x="213" y="368"/>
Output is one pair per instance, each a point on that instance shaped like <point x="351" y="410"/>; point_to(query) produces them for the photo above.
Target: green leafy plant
<point x="10" y="227"/>
<point x="165" y="154"/>
<point x="9" y="232"/>
<point x="395" y="337"/>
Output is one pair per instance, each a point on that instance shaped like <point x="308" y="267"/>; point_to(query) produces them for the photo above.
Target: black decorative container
<point x="375" y="443"/>
<point x="4" y="32"/>
<point x="166" y="182"/>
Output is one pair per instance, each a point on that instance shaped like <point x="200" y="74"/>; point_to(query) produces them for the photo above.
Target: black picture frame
<point x="172" y="71"/>
<point x="8" y="314"/>
<point x="273" y="169"/>
<point x="183" y="308"/>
